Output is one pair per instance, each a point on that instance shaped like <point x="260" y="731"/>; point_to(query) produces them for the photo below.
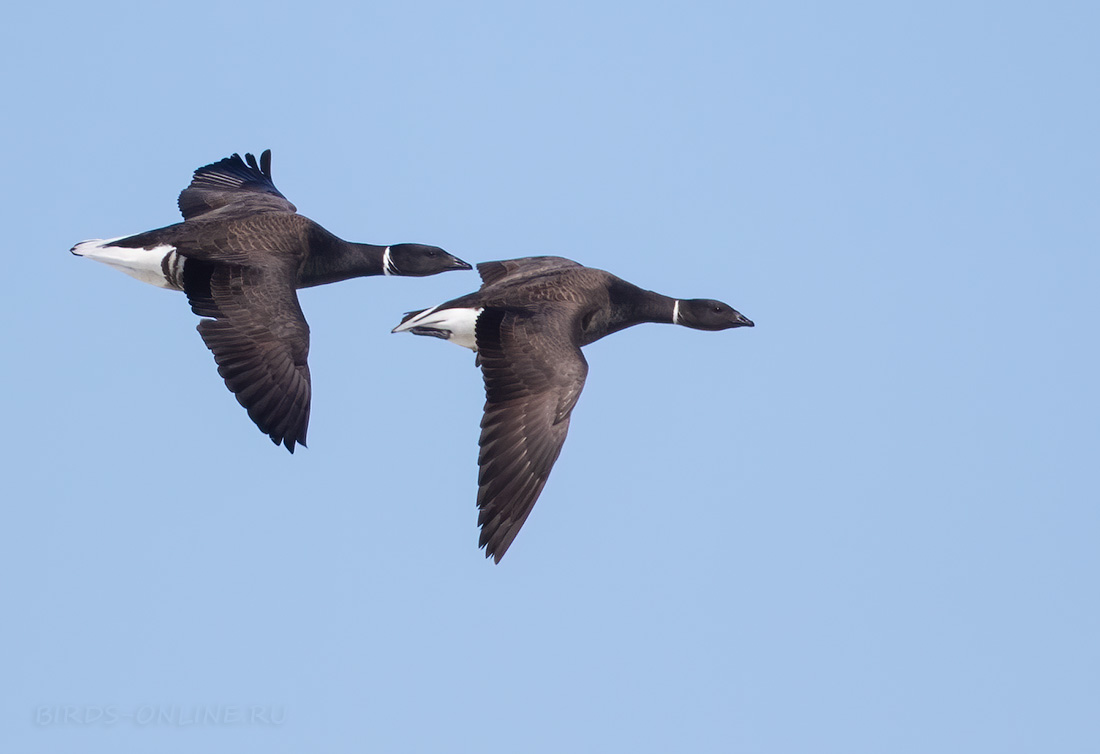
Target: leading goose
<point x="239" y="255"/>
<point x="527" y="324"/>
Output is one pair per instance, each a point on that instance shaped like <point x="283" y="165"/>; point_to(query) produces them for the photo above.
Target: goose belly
<point x="160" y="265"/>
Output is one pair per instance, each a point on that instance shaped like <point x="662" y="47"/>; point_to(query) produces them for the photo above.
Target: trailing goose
<point x="527" y="324"/>
<point x="239" y="256"/>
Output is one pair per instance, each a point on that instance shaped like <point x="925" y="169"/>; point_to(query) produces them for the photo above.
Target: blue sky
<point x="867" y="525"/>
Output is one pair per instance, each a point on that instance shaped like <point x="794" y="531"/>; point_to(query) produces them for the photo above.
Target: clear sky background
<point x="868" y="525"/>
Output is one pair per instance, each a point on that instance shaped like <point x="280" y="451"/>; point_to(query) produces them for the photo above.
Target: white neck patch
<point x="676" y="312"/>
<point x="387" y="265"/>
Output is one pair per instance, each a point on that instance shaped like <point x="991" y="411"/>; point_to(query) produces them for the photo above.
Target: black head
<point x="419" y="260"/>
<point x="708" y="314"/>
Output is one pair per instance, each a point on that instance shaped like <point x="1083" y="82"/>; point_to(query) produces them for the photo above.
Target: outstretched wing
<point x="533" y="377"/>
<point x="233" y="185"/>
<point x="260" y="341"/>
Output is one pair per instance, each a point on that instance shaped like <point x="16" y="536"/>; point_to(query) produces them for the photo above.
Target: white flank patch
<point x="457" y="323"/>
<point x="676" y="312"/>
<point x="145" y="265"/>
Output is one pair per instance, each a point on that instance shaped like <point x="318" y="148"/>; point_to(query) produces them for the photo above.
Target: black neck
<point x="636" y="305"/>
<point x="630" y="305"/>
<point x="333" y="259"/>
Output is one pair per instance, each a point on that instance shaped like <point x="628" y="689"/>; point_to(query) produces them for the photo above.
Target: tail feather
<point x="156" y="265"/>
<point x="455" y="324"/>
<point x="84" y="248"/>
<point x="406" y="317"/>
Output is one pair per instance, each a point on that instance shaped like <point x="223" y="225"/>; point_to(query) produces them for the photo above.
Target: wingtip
<point x="287" y="442"/>
<point x="491" y="550"/>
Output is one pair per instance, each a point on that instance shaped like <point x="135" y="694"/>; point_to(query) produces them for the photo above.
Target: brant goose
<point x="527" y="324"/>
<point x="239" y="255"/>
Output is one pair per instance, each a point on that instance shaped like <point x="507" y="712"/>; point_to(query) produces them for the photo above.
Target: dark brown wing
<point x="520" y="269"/>
<point x="233" y="186"/>
<point x="260" y="340"/>
<point x="533" y="376"/>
